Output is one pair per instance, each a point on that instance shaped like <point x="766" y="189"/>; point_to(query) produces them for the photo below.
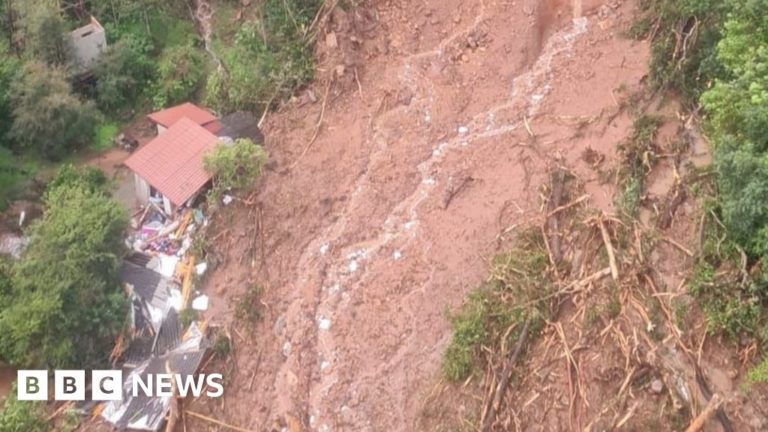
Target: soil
<point x="361" y="252"/>
<point x="436" y="125"/>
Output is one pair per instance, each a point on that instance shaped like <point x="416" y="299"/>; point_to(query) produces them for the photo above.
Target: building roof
<point x="172" y="163"/>
<point x="169" y="116"/>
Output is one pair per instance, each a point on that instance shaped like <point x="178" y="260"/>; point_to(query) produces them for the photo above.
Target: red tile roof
<point x="173" y="162"/>
<point x="169" y="116"/>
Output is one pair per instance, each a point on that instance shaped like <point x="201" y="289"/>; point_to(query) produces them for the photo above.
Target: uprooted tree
<point x="63" y="304"/>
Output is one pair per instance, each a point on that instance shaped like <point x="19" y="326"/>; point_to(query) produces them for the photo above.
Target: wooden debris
<point x="609" y="249"/>
<point x="216" y="422"/>
<point x="698" y="423"/>
<point x="493" y="404"/>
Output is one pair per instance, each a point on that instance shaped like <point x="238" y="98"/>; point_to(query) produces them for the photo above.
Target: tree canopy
<point x="47" y="116"/>
<point x="64" y="304"/>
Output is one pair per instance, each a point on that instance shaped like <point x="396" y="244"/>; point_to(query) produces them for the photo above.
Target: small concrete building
<point x="169" y="168"/>
<point x="88" y="42"/>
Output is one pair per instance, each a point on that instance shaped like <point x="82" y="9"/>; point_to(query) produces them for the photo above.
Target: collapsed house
<point x="158" y="344"/>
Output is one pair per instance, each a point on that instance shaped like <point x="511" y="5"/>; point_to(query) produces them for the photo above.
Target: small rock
<point x="340" y="71"/>
<point x="405" y="96"/>
<point x="464" y="58"/>
<point x="311" y="96"/>
<point x="657" y="386"/>
<point x="471" y="42"/>
<point x="331" y="40"/>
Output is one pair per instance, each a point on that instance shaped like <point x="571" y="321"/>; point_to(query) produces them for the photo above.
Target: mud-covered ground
<point x="441" y="123"/>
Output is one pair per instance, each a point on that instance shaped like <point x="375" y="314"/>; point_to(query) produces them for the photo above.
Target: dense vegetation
<point x="715" y="56"/>
<point x="61" y="305"/>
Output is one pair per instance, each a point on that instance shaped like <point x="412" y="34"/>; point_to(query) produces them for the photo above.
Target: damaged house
<point x="158" y="345"/>
<point x="169" y="169"/>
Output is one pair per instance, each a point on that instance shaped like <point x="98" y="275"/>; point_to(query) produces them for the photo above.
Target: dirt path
<point x="436" y="138"/>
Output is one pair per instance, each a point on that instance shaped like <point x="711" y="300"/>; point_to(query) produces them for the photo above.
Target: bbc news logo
<point x="107" y="385"/>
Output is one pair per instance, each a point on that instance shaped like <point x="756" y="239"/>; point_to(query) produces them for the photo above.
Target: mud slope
<point x="435" y="139"/>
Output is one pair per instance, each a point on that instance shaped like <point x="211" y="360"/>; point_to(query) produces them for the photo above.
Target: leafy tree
<point x="122" y="72"/>
<point x="235" y="165"/>
<point x="47" y="36"/>
<point x="65" y="304"/>
<point x="737" y="121"/>
<point x="9" y="72"/>
<point x="47" y="117"/>
<point x="22" y="416"/>
<point x="180" y="71"/>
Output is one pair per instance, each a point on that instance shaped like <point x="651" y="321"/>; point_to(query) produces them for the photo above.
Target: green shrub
<point x="22" y="416"/>
<point x="268" y="59"/>
<point x="518" y="280"/>
<point x="47" y="117"/>
<point x="122" y="72"/>
<point x="180" y="71"/>
<point x="104" y="137"/>
<point x="236" y="165"/>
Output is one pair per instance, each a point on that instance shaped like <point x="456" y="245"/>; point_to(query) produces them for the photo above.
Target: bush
<point x="269" y="58"/>
<point x="122" y="71"/>
<point x="235" y="166"/>
<point x="22" y="416"/>
<point x="494" y="314"/>
<point x="181" y="70"/>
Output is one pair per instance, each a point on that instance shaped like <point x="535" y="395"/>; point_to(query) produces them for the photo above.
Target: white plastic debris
<point x="226" y="199"/>
<point x="176" y="299"/>
<point x="463" y="130"/>
<point x="353" y="266"/>
<point x="200" y="303"/>
<point x="397" y="255"/>
<point x="168" y="265"/>
<point x="324" y="324"/>
<point x="201" y="268"/>
<point x="323" y="248"/>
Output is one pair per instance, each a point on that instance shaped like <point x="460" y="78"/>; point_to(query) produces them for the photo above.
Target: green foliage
<point x="104" y="137"/>
<point x="15" y="175"/>
<point x="737" y="121"/>
<point x="495" y="313"/>
<point x="47" y="117"/>
<point x="10" y="68"/>
<point x="181" y="70"/>
<point x="47" y="36"/>
<point x="122" y="71"/>
<point x="758" y="374"/>
<point x="187" y="317"/>
<point x="66" y="305"/>
<point x="222" y="347"/>
<point x="268" y="59"/>
<point x="22" y="416"/>
<point x="638" y="156"/>
<point x="235" y="166"/>
<point x="248" y="307"/>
